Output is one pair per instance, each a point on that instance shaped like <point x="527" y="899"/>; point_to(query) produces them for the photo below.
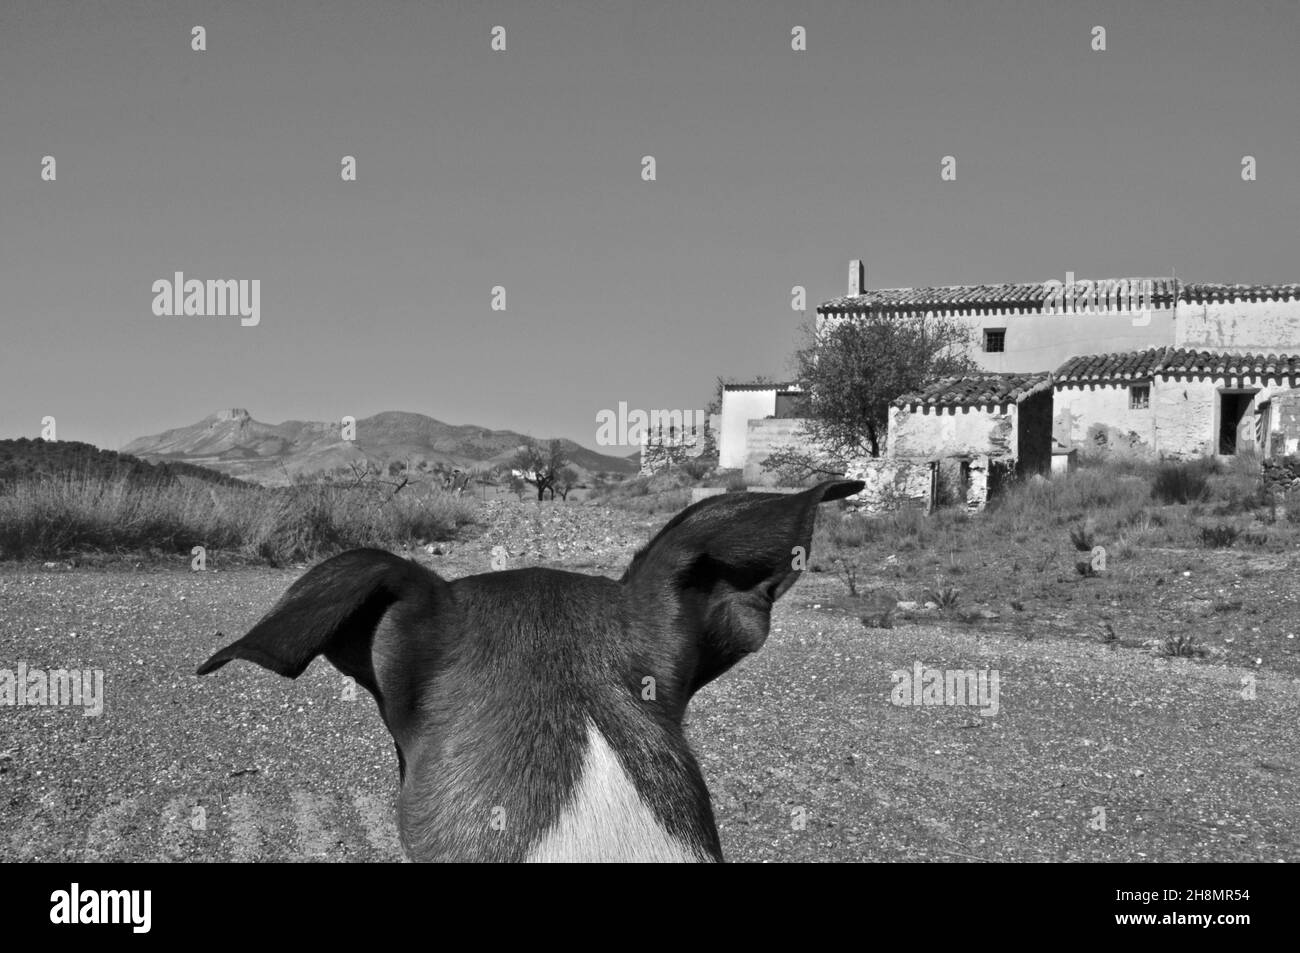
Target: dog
<point x="537" y="713"/>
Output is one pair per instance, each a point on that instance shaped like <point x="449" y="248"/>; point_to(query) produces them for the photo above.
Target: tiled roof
<point x="1212" y="292"/>
<point x="773" y="385"/>
<point x="1032" y="296"/>
<point x="976" y="389"/>
<point x="1169" y="362"/>
<point x="1036" y="295"/>
<point x="1185" y="363"/>
<point x="1132" y="365"/>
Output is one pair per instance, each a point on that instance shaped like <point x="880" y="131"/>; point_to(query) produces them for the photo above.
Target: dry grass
<point x="665" y="492"/>
<point x="73" y="514"/>
<point x="1126" y="506"/>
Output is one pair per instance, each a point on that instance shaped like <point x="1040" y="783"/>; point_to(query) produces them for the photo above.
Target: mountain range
<point x="233" y="443"/>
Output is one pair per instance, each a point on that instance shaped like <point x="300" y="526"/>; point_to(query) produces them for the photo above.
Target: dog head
<point x="537" y="713"/>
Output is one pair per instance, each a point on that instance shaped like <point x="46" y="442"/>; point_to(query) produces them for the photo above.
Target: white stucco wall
<point x="1268" y="327"/>
<point x="765" y="437"/>
<point x="1185" y="416"/>
<point x="968" y="430"/>
<point x="1043" y="342"/>
<point x="738" y="408"/>
<point x="1187" y="413"/>
<point x="1182" y="418"/>
<point x="1078" y="407"/>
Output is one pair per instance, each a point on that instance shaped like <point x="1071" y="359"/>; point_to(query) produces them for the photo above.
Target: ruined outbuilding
<point x="959" y="439"/>
<point x="1281" y="423"/>
<point x="756" y="418"/>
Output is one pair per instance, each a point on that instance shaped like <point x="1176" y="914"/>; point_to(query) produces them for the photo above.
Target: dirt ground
<point x="1096" y="752"/>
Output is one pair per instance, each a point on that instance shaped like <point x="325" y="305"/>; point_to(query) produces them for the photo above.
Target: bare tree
<point x="540" y="465"/>
<point x="565" y="481"/>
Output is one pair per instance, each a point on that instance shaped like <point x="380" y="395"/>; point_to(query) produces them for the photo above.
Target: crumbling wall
<point x="1097" y="418"/>
<point x="1284" y="422"/>
<point x="929" y="433"/>
<point x="765" y="437"/>
<point x="662" y="453"/>
<point x="1239" y="326"/>
<point x="671" y="446"/>
<point x="890" y="484"/>
<point x="969" y="481"/>
<point x="894" y="484"/>
<point x="1185" y="416"/>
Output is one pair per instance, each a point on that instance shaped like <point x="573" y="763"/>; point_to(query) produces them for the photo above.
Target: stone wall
<point x="893" y="484"/>
<point x="669" y="447"/>
<point x="1282" y="474"/>
<point x="890" y="484"/>
<point x="1284" y="424"/>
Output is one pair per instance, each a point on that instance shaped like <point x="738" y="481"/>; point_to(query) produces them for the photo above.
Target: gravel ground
<point x="1096" y="753"/>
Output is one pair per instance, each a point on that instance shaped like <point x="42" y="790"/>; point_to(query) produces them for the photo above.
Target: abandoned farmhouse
<point x="1149" y="366"/>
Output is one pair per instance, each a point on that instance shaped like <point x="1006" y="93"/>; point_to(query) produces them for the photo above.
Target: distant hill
<point x="232" y="442"/>
<point x="25" y="458"/>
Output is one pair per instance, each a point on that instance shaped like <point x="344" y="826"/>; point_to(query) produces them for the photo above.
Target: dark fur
<point x="486" y="683"/>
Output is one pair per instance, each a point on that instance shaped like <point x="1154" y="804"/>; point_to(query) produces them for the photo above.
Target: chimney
<point x="857" y="277"/>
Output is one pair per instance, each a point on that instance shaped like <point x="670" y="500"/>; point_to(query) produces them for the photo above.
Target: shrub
<point x="696" y="469"/>
<point x="945" y="597"/>
<point x="1292" y="503"/>
<point x="1219" y="537"/>
<point x="879" y="620"/>
<point x="1082" y="538"/>
<point x="1183" y="482"/>
<point x="1183" y="646"/>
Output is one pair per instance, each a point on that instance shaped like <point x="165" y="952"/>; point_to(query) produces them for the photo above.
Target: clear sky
<point x="523" y="169"/>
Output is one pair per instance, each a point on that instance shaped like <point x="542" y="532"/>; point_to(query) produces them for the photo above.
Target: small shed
<point x="974" y="431"/>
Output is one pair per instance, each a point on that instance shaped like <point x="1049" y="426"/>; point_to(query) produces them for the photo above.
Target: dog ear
<point x="718" y="567"/>
<point x="333" y="611"/>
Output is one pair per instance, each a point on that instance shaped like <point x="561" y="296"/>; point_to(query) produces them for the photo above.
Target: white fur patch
<point x="606" y="820"/>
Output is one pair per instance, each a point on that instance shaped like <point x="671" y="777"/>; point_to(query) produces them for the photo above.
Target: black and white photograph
<point x="760" y="431"/>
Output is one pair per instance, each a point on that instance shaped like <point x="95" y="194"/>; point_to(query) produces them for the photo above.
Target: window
<point x="995" y="339"/>
<point x="1139" y="397"/>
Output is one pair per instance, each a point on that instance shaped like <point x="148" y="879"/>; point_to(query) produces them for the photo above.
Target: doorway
<point x="1233" y="407"/>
